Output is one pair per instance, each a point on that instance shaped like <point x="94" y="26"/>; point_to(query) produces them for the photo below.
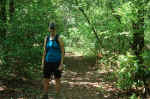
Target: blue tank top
<point x="53" y="52"/>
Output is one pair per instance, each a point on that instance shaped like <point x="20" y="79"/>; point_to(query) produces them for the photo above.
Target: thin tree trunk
<point x="89" y="22"/>
<point x="11" y="8"/>
<point x="92" y="27"/>
<point x="3" y="19"/>
<point x="138" y="36"/>
<point x="138" y="39"/>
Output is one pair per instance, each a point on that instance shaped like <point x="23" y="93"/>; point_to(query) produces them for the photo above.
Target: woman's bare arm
<point x="44" y="52"/>
<point x="62" y="50"/>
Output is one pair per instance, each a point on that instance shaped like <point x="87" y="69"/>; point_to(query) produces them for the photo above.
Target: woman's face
<point x="51" y="30"/>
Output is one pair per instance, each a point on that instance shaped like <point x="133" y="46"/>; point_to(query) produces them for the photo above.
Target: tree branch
<point x="88" y="20"/>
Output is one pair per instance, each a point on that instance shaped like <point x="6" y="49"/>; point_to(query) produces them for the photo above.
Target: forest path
<point x="80" y="80"/>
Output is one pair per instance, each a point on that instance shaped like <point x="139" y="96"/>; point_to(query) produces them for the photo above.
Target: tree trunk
<point x="138" y="36"/>
<point x="3" y="19"/>
<point x="11" y="8"/>
<point x="89" y="22"/>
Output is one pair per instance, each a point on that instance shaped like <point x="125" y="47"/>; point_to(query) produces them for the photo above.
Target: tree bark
<point x="138" y="36"/>
<point x="11" y="8"/>
<point x="3" y="19"/>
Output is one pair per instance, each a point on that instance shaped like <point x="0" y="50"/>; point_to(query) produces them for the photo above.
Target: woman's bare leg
<point x="58" y="85"/>
<point x="45" y="84"/>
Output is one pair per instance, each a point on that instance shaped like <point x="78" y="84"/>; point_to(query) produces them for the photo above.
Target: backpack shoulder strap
<point x="56" y="38"/>
<point x="47" y="38"/>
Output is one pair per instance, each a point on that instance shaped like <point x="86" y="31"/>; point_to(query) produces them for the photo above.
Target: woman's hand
<point x="61" y="67"/>
<point x="42" y="65"/>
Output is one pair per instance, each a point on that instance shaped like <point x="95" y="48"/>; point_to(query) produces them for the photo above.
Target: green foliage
<point x="25" y="34"/>
<point x="112" y="20"/>
<point x="146" y="57"/>
<point x="128" y="67"/>
<point x="130" y="73"/>
<point x="133" y="96"/>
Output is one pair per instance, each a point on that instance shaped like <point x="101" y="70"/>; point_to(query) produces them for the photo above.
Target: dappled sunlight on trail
<point x="82" y="82"/>
<point x="79" y="81"/>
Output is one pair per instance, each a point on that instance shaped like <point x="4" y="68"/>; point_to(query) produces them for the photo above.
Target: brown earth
<point x="80" y="80"/>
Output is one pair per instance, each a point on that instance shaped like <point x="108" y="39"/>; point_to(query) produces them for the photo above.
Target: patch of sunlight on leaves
<point x="122" y="70"/>
<point x="148" y="5"/>
<point x="74" y="29"/>
<point x="133" y="96"/>
<point x="128" y="11"/>
<point x="126" y="8"/>
<point x="130" y="55"/>
<point x="86" y="24"/>
<point x="125" y="33"/>
<point x="36" y="45"/>
<point x="122" y="58"/>
<point x="0" y="62"/>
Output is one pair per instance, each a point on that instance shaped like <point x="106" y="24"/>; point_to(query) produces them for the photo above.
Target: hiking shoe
<point x="45" y="96"/>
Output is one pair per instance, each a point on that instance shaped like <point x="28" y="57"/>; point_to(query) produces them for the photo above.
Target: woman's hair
<point x="52" y="26"/>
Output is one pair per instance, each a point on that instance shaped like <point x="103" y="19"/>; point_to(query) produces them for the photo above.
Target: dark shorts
<point x="51" y="69"/>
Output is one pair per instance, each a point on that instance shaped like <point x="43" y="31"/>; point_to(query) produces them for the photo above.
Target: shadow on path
<point x="79" y="81"/>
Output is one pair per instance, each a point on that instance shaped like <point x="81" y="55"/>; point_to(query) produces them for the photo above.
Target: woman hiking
<point x="52" y="60"/>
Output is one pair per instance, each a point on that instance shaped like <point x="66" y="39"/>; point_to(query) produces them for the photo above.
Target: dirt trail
<point x="79" y="81"/>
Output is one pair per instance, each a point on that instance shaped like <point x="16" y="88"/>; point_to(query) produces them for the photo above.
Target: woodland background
<point x="117" y="29"/>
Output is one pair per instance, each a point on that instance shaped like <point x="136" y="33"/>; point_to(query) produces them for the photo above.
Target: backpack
<point x="53" y="54"/>
<point x="55" y="39"/>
